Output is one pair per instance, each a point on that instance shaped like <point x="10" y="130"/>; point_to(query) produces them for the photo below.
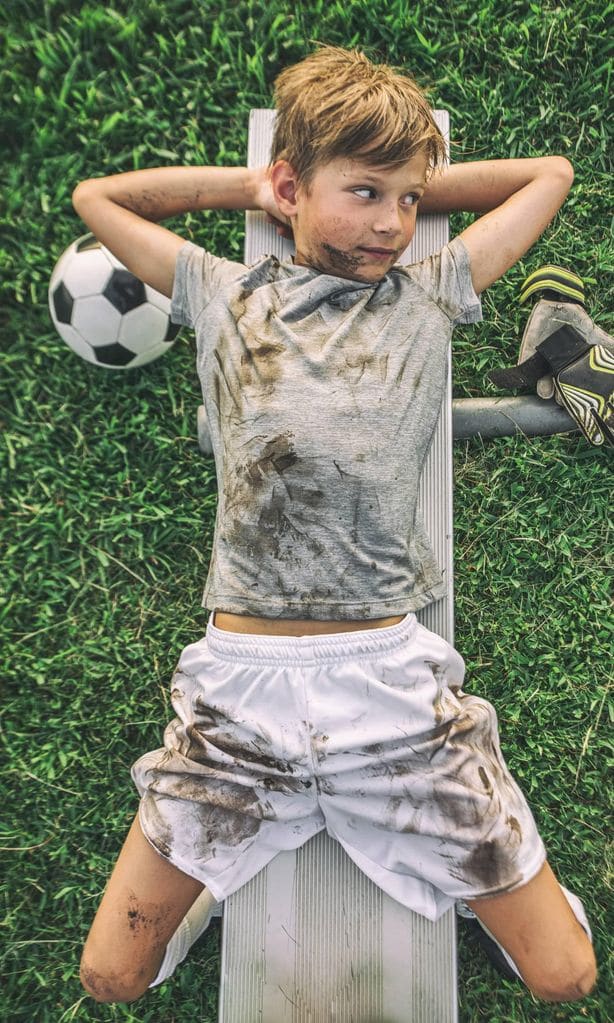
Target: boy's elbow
<point x="77" y="192"/>
<point x="81" y="190"/>
<point x="564" y="169"/>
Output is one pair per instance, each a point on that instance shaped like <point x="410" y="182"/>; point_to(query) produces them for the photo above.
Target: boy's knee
<point x="567" y="984"/>
<point x="112" y="987"/>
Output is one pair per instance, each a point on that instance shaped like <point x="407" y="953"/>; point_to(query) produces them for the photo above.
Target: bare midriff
<point x="295" y="627"/>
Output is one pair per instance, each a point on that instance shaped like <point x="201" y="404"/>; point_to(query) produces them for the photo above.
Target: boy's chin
<point x="366" y="276"/>
<point x="352" y="265"/>
<point x="358" y="271"/>
<point x="364" y="272"/>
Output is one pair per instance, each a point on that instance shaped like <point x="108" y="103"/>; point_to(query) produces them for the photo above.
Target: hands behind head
<point x="266" y="202"/>
<point x="284" y="230"/>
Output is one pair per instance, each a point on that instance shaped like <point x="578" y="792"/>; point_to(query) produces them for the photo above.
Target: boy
<point x="316" y="698"/>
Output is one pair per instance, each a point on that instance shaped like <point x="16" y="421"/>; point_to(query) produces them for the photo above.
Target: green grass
<point x="109" y="506"/>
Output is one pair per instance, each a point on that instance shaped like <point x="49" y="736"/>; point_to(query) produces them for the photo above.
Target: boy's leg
<point x="538" y="929"/>
<point x="143" y="904"/>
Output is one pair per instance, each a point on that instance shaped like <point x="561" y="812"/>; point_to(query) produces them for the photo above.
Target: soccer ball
<point x="103" y="312"/>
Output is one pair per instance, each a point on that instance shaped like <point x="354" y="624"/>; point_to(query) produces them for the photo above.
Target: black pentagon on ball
<point x="171" y="331"/>
<point x="113" y="355"/>
<point x="62" y="303"/>
<point x="87" y="242"/>
<point x="125" y="291"/>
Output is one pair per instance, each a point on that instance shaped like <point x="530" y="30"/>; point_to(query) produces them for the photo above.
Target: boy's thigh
<point x="144" y="901"/>
<point x="538" y="929"/>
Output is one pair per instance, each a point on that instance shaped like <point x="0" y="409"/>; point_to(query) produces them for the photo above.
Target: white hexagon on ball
<point x="87" y="273"/>
<point x="142" y="327"/>
<point x="158" y="299"/>
<point x="96" y="320"/>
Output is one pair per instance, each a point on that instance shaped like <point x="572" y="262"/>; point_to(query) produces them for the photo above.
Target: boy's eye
<point x="410" y="195"/>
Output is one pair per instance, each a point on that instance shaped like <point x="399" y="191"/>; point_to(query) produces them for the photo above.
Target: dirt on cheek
<point x="340" y="259"/>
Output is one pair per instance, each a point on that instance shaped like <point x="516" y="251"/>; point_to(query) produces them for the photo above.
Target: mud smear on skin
<point x="99" y="986"/>
<point x="341" y="260"/>
<point x="140" y="920"/>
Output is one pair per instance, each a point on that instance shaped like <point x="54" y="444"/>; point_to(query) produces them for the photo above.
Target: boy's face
<point x="352" y="207"/>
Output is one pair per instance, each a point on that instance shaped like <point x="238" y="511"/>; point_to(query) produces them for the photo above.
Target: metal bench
<point x="311" y="939"/>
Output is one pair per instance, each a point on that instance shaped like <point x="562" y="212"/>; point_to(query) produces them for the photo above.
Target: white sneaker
<point x="194" y="923"/>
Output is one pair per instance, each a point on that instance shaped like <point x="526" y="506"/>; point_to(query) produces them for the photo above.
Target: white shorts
<point x="367" y="734"/>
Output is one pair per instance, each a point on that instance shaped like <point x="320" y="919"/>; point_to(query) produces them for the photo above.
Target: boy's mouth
<point x="380" y="253"/>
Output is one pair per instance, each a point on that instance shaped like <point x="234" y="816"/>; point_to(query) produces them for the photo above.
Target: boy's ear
<point x="284" y="184"/>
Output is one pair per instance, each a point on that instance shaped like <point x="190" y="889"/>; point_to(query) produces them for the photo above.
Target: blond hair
<point x="337" y="103"/>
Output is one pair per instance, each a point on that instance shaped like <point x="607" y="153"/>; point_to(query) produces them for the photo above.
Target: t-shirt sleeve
<point x="446" y="278"/>
<point x="198" y="276"/>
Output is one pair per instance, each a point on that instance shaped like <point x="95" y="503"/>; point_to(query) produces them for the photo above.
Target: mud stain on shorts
<point x="205" y="741"/>
<point x="227" y="817"/>
<point x="154" y="825"/>
<point x="490" y="866"/>
<point x="390" y="768"/>
<point x="223" y="825"/>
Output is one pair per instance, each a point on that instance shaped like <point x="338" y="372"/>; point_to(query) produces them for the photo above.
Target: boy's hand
<point x="283" y="230"/>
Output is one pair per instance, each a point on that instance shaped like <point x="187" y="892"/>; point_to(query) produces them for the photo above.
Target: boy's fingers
<point x="282" y="229"/>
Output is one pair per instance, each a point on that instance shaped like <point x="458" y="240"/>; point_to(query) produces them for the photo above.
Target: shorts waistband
<point x="258" y="648"/>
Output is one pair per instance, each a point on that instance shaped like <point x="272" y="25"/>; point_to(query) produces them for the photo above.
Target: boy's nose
<point x="388" y="222"/>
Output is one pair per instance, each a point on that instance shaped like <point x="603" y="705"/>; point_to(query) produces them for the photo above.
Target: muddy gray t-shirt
<point x="321" y="395"/>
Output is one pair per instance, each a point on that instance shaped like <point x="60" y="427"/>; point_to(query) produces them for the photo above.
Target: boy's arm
<point x="120" y="209"/>
<point x="521" y="197"/>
